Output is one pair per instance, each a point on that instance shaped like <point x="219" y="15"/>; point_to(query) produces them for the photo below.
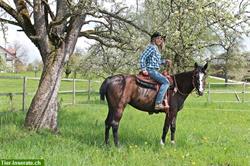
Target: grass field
<point x="206" y="135"/>
<point x="216" y="134"/>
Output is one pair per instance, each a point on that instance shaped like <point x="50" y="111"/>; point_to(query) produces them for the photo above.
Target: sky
<point x="15" y="36"/>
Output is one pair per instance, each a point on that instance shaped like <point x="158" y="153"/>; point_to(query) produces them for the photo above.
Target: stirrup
<point x="161" y="107"/>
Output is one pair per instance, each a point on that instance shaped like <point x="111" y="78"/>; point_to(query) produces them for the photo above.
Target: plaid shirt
<point x="151" y="58"/>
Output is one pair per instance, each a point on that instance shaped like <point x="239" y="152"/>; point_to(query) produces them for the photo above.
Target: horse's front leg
<point x="165" y="129"/>
<point x="173" y="127"/>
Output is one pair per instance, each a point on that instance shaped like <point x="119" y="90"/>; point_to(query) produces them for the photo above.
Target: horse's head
<point x="199" y="76"/>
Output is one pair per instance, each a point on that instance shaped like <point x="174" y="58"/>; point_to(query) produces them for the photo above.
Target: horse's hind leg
<point x="108" y="122"/>
<point x="115" y="125"/>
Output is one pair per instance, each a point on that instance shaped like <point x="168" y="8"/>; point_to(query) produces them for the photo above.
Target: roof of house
<point x="10" y="53"/>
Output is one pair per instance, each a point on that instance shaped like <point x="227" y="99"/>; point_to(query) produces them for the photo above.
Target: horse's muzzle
<point x="200" y="93"/>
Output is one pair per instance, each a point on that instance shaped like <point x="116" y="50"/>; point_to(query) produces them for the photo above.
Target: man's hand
<point x="145" y="73"/>
<point x="169" y="62"/>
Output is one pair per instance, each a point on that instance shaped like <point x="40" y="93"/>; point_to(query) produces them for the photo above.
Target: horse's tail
<point x="103" y="89"/>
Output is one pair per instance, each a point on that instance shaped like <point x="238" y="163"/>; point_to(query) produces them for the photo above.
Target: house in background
<point x="9" y="57"/>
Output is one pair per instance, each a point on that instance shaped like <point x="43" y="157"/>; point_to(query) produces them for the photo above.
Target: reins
<point x="178" y="90"/>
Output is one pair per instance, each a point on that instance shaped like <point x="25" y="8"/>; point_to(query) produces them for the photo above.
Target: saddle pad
<point x="140" y="78"/>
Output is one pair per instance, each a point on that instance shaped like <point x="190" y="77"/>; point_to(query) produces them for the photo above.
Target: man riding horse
<point x="150" y="62"/>
<point x="122" y="89"/>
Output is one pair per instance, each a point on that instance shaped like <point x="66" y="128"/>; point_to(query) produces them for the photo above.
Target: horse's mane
<point x="183" y="73"/>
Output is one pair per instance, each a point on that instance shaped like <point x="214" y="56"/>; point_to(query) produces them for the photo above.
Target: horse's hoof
<point x="117" y="145"/>
<point x="162" y="143"/>
<point x="173" y="142"/>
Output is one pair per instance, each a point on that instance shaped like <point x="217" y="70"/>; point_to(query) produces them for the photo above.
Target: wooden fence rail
<point x="74" y="91"/>
<point x="239" y="92"/>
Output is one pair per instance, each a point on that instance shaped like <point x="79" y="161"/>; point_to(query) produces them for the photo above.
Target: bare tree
<point x="55" y="33"/>
<point x="21" y="51"/>
<point x="229" y="42"/>
<point x="4" y="29"/>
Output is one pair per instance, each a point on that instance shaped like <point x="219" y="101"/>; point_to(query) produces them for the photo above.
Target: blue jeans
<point x="158" y="77"/>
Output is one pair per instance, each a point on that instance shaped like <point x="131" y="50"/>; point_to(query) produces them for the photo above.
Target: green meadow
<point x="213" y="134"/>
<point x="205" y="135"/>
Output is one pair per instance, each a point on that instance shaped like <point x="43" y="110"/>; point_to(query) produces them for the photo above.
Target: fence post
<point x="244" y="92"/>
<point x="74" y="91"/>
<point x="89" y="90"/>
<point x="24" y="93"/>
<point x="208" y="96"/>
<point x="11" y="102"/>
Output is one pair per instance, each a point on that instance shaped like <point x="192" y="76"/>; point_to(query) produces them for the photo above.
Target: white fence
<point x="228" y="92"/>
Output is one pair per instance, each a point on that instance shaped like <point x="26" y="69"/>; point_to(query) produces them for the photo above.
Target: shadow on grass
<point x="77" y="128"/>
<point x="87" y="127"/>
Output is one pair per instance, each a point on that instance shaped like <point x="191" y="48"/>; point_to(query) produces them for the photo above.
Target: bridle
<point x="193" y="84"/>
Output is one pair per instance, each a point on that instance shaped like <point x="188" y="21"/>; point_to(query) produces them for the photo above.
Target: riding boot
<point x="166" y="102"/>
<point x="161" y="107"/>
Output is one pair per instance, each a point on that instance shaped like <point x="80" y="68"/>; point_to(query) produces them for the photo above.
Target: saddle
<point x="147" y="82"/>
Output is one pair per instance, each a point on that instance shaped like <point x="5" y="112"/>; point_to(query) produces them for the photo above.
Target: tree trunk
<point x="75" y="73"/>
<point x="226" y="71"/>
<point x="226" y="76"/>
<point x="67" y="73"/>
<point x="43" y="110"/>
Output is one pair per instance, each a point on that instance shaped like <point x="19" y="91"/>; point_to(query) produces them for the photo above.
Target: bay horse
<point x="121" y="90"/>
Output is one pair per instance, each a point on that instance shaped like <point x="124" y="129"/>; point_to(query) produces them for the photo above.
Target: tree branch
<point x="124" y="20"/>
<point x="49" y="9"/>
<point x="103" y="42"/>
<point x="58" y="26"/>
<point x="100" y="34"/>
<point x="11" y="11"/>
<point x="24" y="13"/>
<point x="29" y="3"/>
<point x="96" y="21"/>
<point x="60" y="21"/>
<point x="41" y="30"/>
<point x="73" y="30"/>
<point x="9" y="22"/>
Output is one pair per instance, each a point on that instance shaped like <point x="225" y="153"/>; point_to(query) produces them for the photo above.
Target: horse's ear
<point x="195" y="65"/>
<point x="205" y="66"/>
